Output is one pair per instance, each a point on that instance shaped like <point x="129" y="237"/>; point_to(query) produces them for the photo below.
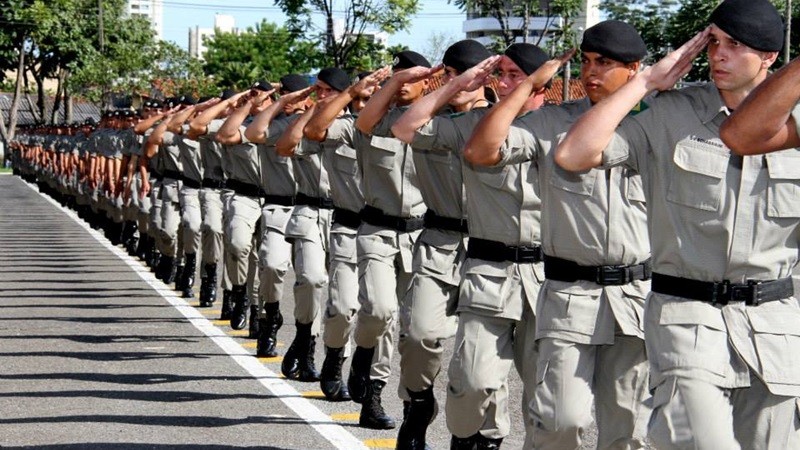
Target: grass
<point x="5" y="170"/>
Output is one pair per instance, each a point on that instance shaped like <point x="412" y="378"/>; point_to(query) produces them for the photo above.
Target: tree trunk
<point x="565" y="87"/>
<point x="57" y="98"/>
<point x="68" y="106"/>
<point x="526" y="17"/>
<point x="40" y="105"/>
<point x="12" y="115"/>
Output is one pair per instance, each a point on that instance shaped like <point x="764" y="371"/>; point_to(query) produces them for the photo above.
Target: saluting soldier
<point x="721" y="321"/>
<point x="470" y="389"/>
<point x="246" y="180"/>
<point x="335" y="129"/>
<point x="594" y="236"/>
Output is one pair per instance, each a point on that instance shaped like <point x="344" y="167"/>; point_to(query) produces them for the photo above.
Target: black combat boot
<point x="187" y="277"/>
<point x="268" y="331"/>
<point x="416" y="419"/>
<point x="298" y="362"/>
<point x="208" y="285"/>
<point x="372" y="414"/>
<point x="358" y="379"/>
<point x="129" y="239"/>
<point x="178" y="278"/>
<point x="227" y="305"/>
<point x="330" y="379"/>
<point x="484" y="443"/>
<point x="457" y="443"/>
<point x="165" y="268"/>
<point x="239" y="311"/>
<point x="252" y="331"/>
<point x="142" y="246"/>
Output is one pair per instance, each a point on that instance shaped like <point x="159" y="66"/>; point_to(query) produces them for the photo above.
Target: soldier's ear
<point x="768" y="59"/>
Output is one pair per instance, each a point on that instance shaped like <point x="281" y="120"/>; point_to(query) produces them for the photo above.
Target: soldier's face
<point x="411" y="92"/>
<point x="509" y="76"/>
<point x="362" y="98"/>
<point x="602" y="76"/>
<point x="324" y="90"/>
<point x="734" y="66"/>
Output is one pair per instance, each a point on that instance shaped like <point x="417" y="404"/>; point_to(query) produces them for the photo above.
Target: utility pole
<point x="100" y="25"/>
<point x="787" y="55"/>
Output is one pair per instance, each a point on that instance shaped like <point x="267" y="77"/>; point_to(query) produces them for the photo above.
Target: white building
<point x="378" y="37"/>
<point x="484" y="29"/>
<point x="222" y="22"/>
<point x="153" y="10"/>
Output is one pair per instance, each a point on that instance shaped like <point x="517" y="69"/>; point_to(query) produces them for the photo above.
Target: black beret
<point x="293" y="83"/>
<point x="464" y="54"/>
<point x="90" y="121"/>
<point x="262" y="85"/>
<point x="616" y="40"/>
<point x="153" y="103"/>
<point x="204" y="99"/>
<point x="187" y="100"/>
<point x="227" y="93"/>
<point x="755" y="23"/>
<point x="527" y="57"/>
<point x="172" y="102"/>
<point x="364" y="74"/>
<point x="408" y="59"/>
<point x="335" y="78"/>
<point x="127" y="113"/>
<point x="116" y="113"/>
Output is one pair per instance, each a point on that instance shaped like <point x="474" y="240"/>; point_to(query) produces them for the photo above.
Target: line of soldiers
<point x="613" y="249"/>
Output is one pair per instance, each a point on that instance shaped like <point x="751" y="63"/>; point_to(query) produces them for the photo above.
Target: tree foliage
<point x="347" y="47"/>
<point x="265" y="51"/>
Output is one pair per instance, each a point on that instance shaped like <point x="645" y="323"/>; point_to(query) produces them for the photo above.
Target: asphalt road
<point x="96" y="353"/>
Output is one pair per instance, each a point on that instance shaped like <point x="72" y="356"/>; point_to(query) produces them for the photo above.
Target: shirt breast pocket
<point x="576" y="183"/>
<point x="784" y="184"/>
<point x="697" y="176"/>
<point x="384" y="150"/>
<point x="635" y="186"/>
<point x="494" y="177"/>
<point x="345" y="160"/>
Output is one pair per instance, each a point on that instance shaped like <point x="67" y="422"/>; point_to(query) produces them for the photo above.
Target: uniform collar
<point x="708" y="103"/>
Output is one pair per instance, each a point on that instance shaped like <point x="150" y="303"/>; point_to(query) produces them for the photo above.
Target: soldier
<point x="276" y="211"/>
<point x="427" y="307"/>
<point x="721" y="321"/>
<point x="309" y="229"/>
<point x="246" y="180"/>
<point x="594" y="238"/>
<point x="470" y="389"/>
<point x="213" y="197"/>
<point x="331" y="126"/>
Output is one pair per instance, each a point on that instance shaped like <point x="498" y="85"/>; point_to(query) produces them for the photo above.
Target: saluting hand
<point x="549" y="69"/>
<point x="415" y="74"/>
<point x="477" y="75"/>
<point x="665" y="73"/>
<point x="373" y="79"/>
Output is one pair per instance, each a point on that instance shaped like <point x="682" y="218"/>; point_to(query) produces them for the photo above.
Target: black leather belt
<point x="192" y="183"/>
<point x="350" y="219"/>
<point x="251" y="190"/>
<point x="174" y="174"/>
<point x="213" y="184"/>
<point x="319" y="202"/>
<point x="433" y="220"/>
<point x="565" y="270"/>
<point x="499" y="252"/>
<point x="754" y="292"/>
<point x="375" y="216"/>
<point x="156" y="175"/>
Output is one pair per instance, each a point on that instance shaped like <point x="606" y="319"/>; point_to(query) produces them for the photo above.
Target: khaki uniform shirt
<point x="190" y="157"/>
<point x="503" y="205"/>
<point x="344" y="171"/>
<point x="715" y="216"/>
<point x="594" y="218"/>
<point x="276" y="170"/>
<point x="243" y="160"/>
<point x="170" y="152"/>
<point x="211" y="152"/>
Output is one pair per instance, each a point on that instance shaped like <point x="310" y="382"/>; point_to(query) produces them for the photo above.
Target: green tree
<point x="264" y="52"/>
<point x="348" y="48"/>
<point x="690" y="18"/>
<point x="506" y="13"/>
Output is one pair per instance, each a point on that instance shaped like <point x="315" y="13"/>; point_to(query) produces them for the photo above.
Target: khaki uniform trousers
<point x="170" y="216"/>
<point x="142" y="205"/>
<point x="496" y="327"/>
<point x="242" y="259"/>
<point x="274" y="254"/>
<point x="342" y="306"/>
<point x="705" y="395"/>
<point x="191" y="219"/>
<point x="427" y="313"/>
<point x="384" y="277"/>
<point x="572" y="375"/>
<point x="212" y="225"/>
<point x="155" y="214"/>
<point x="308" y="230"/>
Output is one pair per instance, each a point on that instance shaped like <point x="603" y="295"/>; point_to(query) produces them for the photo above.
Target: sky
<point x="435" y="16"/>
